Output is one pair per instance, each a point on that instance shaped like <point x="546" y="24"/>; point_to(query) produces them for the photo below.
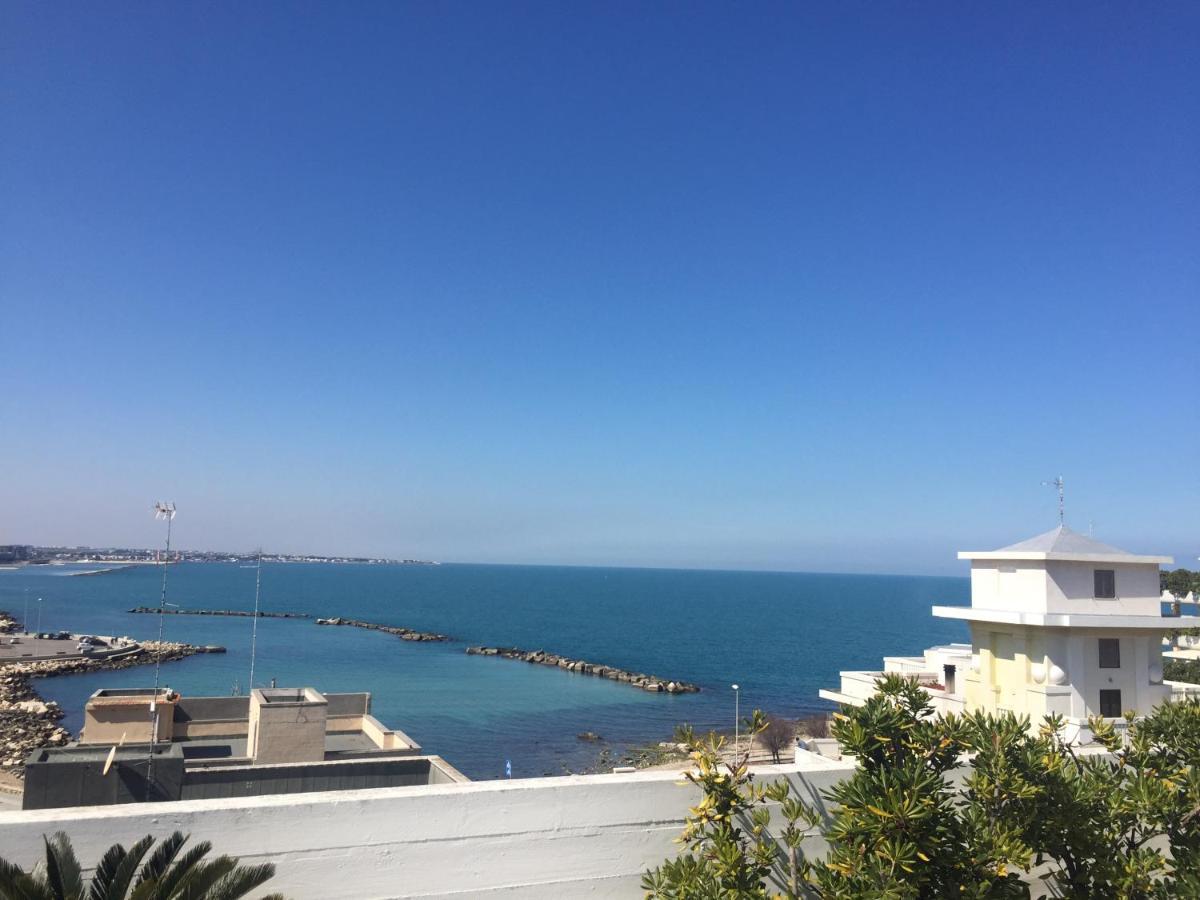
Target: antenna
<point x="1058" y="483"/>
<point x="254" y="627"/>
<point x="161" y="511"/>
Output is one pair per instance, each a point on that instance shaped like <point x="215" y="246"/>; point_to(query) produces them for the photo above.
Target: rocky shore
<point x="405" y="634"/>
<point x="248" y="614"/>
<point x="28" y="722"/>
<point x="651" y="683"/>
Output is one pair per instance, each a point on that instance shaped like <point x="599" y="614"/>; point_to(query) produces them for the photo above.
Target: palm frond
<point x="17" y="884"/>
<point x="240" y="881"/>
<point x="63" y="874"/>
<point x="198" y="882"/>
<point x="106" y="869"/>
<point x="180" y="870"/>
<point x="161" y="859"/>
<point x="122" y="878"/>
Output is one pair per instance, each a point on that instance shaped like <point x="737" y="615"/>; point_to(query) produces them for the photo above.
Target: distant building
<point x="11" y="553"/>
<point x="1060" y="623"/>
<point x="275" y="741"/>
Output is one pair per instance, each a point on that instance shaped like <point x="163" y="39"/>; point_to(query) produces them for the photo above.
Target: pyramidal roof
<point x="1064" y="544"/>
<point x="1063" y="540"/>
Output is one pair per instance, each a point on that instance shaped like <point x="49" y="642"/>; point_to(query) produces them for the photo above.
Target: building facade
<point x="1060" y="623"/>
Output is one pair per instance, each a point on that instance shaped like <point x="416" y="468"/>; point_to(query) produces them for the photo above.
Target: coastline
<point x="28" y="721"/>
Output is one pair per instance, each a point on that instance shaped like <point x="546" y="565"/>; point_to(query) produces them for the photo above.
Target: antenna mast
<point x="254" y="627"/>
<point x="1058" y="483"/>
<point x="161" y="511"/>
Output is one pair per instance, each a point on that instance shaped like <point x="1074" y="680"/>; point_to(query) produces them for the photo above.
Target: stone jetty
<point x="248" y="614"/>
<point x="651" y="683"/>
<point x="405" y="634"/>
<point x="28" y="722"/>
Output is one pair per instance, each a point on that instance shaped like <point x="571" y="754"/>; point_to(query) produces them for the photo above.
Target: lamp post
<point x="736" y="723"/>
<point x="39" y="615"/>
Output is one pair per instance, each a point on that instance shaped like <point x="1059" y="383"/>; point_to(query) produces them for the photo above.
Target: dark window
<point x="1110" y="653"/>
<point x="1110" y="704"/>
<point x="1106" y="584"/>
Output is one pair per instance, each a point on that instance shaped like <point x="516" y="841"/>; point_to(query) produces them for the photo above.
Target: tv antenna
<point x="1058" y="483"/>
<point x="162" y="511"/>
<point x="254" y="627"/>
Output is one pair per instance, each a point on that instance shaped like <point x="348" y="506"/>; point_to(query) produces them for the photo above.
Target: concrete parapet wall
<point x="575" y="836"/>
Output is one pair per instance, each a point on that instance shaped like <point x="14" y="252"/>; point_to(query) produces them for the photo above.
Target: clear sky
<point x="798" y="286"/>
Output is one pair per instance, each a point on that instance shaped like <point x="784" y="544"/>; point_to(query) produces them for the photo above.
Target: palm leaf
<point x="17" y="884"/>
<point x="197" y="883"/>
<point x="161" y="859"/>
<point x="106" y="869"/>
<point x="122" y="878"/>
<point x="63" y="874"/>
<point x="180" y="870"/>
<point x="241" y="881"/>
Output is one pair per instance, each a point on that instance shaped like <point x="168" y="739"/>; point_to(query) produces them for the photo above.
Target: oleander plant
<point x="972" y="806"/>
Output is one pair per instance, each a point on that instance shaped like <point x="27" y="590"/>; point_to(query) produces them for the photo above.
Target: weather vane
<point x="1058" y="483"/>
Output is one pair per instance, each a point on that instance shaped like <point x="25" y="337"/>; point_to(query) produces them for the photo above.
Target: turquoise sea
<point x="780" y="636"/>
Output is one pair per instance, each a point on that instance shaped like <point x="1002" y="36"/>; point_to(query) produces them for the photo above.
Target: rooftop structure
<point x="1059" y="623"/>
<point x="277" y="740"/>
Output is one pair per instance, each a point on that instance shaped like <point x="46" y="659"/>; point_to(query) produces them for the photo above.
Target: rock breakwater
<point x="405" y="634"/>
<point x="651" y="683"/>
<point x="249" y="614"/>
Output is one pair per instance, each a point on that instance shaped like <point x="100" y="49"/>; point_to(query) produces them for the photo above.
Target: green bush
<point x="1121" y="825"/>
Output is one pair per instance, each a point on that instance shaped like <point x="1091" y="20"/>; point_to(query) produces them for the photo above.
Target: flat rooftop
<point x="338" y="745"/>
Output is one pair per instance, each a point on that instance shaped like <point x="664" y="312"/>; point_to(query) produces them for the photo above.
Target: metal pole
<point x="736" y="721"/>
<point x="164" y="511"/>
<point x="39" y="615"/>
<point x="254" y="627"/>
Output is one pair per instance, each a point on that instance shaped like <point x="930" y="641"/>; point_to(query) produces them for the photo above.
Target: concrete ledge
<point x="574" y="836"/>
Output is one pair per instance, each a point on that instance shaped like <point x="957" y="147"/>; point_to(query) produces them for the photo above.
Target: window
<point x="1110" y="704"/>
<point x="1105" y="584"/>
<point x="1110" y="653"/>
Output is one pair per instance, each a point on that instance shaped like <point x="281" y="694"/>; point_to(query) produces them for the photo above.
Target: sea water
<point x="780" y="636"/>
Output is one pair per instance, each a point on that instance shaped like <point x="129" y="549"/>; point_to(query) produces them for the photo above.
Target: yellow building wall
<point x="1004" y="678"/>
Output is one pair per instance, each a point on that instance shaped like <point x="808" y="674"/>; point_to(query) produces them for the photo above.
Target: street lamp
<point x="736" y="712"/>
<point x="39" y="615"/>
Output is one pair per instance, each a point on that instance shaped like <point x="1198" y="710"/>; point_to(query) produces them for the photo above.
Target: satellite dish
<point x="112" y="754"/>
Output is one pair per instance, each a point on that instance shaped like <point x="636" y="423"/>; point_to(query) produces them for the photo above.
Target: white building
<point x="1059" y="623"/>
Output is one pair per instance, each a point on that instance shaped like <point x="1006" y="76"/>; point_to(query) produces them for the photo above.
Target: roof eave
<point x="1066" y="556"/>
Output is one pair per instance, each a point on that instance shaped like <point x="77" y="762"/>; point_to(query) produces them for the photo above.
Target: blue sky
<point x="826" y="287"/>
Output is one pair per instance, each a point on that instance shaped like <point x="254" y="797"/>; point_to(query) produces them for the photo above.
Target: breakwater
<point x="248" y="614"/>
<point x="651" y="683"/>
<point x="405" y="634"/>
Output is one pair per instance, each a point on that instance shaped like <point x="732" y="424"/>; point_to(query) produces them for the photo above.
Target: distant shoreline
<point x="115" y="567"/>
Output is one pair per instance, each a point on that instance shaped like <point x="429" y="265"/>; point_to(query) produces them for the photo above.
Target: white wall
<point x="1008" y="584"/>
<point x="1138" y="651"/>
<point x="1072" y="589"/>
<point x="576" y="836"/>
<point x="1063" y="587"/>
